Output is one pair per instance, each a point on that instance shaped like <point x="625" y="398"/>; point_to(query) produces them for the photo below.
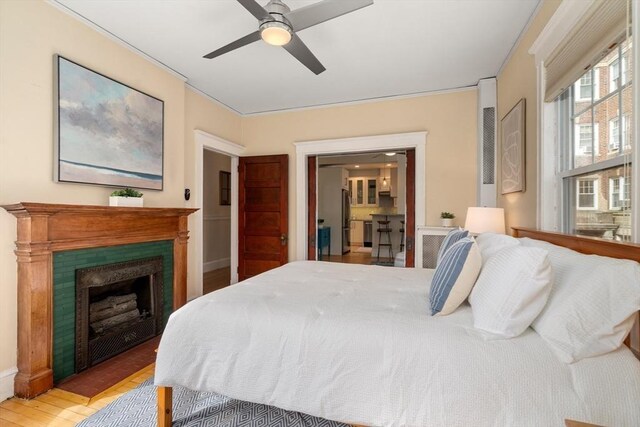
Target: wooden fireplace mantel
<point x="44" y="228"/>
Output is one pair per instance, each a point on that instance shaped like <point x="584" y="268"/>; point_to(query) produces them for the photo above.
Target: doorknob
<point x="283" y="239"/>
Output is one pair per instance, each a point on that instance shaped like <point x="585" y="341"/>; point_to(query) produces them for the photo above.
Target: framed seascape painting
<point x="512" y="155"/>
<point x="107" y="133"/>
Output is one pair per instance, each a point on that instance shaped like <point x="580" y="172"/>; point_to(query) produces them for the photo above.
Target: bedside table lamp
<point x="485" y="220"/>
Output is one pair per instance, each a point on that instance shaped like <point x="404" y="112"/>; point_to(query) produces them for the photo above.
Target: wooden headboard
<point x="591" y="246"/>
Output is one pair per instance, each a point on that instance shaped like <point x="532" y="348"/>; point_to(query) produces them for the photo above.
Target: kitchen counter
<point x="396" y="236"/>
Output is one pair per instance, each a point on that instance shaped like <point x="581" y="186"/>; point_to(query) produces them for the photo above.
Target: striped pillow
<point x="451" y="237"/>
<point x="455" y="276"/>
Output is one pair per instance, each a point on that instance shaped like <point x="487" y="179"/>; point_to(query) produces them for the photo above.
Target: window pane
<point x="627" y="119"/>
<point x="583" y="90"/>
<point x="627" y="74"/>
<point x="583" y="138"/>
<point x="601" y="203"/>
<point x="607" y="124"/>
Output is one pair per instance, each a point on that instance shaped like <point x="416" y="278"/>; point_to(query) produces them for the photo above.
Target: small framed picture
<point x="225" y="188"/>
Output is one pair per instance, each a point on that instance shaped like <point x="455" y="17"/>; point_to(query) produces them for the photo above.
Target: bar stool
<point x="402" y="236"/>
<point x="384" y="230"/>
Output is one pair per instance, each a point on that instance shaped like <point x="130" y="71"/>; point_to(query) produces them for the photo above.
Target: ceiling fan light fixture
<point x="275" y="33"/>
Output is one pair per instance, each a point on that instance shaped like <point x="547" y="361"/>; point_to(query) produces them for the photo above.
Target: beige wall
<point x="217" y="218"/>
<point x="31" y="32"/>
<point x="518" y="80"/>
<point x="450" y="118"/>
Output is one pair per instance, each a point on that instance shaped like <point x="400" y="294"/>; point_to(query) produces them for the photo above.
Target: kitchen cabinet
<point x="357" y="233"/>
<point x="363" y="191"/>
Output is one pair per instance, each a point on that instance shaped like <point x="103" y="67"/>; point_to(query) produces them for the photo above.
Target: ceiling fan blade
<point x="249" y="38"/>
<point x="317" y="13"/>
<point x="255" y="9"/>
<point x="301" y="52"/>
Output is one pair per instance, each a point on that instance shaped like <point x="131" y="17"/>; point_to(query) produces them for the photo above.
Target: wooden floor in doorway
<point x="216" y="279"/>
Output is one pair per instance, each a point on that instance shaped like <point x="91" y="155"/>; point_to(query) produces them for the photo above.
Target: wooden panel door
<point x="262" y="214"/>
<point x="410" y="226"/>
<point x="312" y="177"/>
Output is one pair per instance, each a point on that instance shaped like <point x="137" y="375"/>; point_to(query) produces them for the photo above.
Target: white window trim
<point x="596" y="187"/>
<point x="549" y="212"/>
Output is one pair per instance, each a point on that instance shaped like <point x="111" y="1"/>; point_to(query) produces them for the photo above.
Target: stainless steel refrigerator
<point x="346" y="222"/>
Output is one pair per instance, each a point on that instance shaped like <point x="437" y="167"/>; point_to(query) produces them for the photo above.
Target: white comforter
<point x="356" y="344"/>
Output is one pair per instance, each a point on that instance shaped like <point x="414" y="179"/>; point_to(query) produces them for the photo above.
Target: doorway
<point x="413" y="142"/>
<point x="361" y="208"/>
<point x="206" y="142"/>
<point x="216" y="212"/>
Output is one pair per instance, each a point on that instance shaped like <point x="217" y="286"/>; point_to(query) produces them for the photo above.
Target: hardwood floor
<point x="62" y="408"/>
<point x="355" y="257"/>
<point x="216" y="279"/>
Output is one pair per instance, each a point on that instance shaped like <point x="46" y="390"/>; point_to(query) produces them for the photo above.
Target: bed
<point x="356" y="344"/>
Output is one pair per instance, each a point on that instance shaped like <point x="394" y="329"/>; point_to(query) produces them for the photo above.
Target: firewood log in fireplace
<point x="95" y="315"/>
<point x="102" y="325"/>
<point x="111" y="301"/>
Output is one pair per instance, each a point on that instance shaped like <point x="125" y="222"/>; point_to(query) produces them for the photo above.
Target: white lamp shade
<point x="485" y="220"/>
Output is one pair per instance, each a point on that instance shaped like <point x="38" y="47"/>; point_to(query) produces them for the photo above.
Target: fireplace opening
<point x="118" y="306"/>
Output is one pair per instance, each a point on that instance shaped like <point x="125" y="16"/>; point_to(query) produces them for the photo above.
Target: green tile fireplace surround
<point x="65" y="265"/>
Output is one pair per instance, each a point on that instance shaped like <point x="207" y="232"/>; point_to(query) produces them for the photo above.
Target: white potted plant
<point x="447" y="219"/>
<point x="127" y="197"/>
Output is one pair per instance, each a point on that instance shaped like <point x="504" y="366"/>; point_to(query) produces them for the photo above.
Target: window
<point x="586" y="139"/>
<point x="588" y="86"/>
<point x="619" y="193"/>
<point x="614" y="75"/>
<point x="587" y="194"/>
<point x="594" y="166"/>
<point x="614" y="134"/>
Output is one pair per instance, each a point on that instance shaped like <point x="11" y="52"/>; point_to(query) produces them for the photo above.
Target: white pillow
<point x="454" y="277"/>
<point x="491" y="243"/>
<point x="512" y="290"/>
<point x="592" y="305"/>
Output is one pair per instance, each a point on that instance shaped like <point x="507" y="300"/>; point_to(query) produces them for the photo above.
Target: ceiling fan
<point x="279" y="25"/>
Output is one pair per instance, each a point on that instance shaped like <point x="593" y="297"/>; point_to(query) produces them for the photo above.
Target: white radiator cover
<point x="487" y="143"/>
<point x="429" y="240"/>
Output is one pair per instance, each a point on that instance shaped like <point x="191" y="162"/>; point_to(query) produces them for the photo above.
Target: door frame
<point x="207" y="141"/>
<point x="362" y="144"/>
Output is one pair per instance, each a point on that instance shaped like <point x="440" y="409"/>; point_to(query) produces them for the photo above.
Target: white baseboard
<point x="6" y="383"/>
<point x="216" y="264"/>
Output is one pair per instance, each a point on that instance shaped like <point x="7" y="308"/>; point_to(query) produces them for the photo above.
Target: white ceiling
<point x="392" y="48"/>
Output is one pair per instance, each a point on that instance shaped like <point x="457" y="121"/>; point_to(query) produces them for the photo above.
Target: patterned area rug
<point x="191" y="409"/>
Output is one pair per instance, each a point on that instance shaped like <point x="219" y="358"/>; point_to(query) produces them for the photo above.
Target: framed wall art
<point x="512" y="154"/>
<point x="106" y="133"/>
<point x="225" y="188"/>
